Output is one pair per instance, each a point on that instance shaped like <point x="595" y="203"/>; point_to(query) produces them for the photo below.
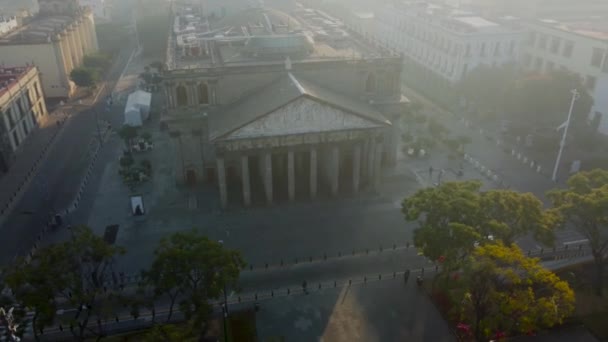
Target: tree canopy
<point x="195" y="267"/>
<point x="454" y="214"/>
<point x="84" y="77"/>
<point x="583" y="205"/>
<point x="98" y="61"/>
<point x="509" y="293"/>
<point x="487" y="86"/>
<point x="72" y="272"/>
<point x="544" y="100"/>
<point x="531" y="100"/>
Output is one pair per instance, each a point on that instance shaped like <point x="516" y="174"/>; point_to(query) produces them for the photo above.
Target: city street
<point x="58" y="179"/>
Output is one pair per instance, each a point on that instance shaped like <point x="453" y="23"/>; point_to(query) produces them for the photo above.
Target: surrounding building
<point x="223" y="8"/>
<point x="7" y="24"/>
<point x="272" y="106"/>
<point x="101" y="9"/>
<point x="22" y="107"/>
<point x="56" y="41"/>
<point x="446" y="41"/>
<point x="580" y="47"/>
<point x="535" y="9"/>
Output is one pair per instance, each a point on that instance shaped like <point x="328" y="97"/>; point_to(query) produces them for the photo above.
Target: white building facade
<point x="22" y="107"/>
<point x="578" y="48"/>
<point x="7" y="24"/>
<point x="101" y="9"/>
<point x="446" y="41"/>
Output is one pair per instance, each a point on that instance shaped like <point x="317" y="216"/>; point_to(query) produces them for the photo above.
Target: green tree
<point x="511" y="293"/>
<point x="195" y="267"/>
<point x="583" y="205"/>
<point x="128" y="133"/>
<point x="84" y="77"/>
<point x="496" y="215"/>
<point x="99" y="61"/>
<point x="544" y="100"/>
<point x="73" y="272"/>
<point x="486" y="87"/>
<point x="40" y="282"/>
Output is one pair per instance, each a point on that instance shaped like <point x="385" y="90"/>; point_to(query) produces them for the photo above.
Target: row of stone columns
<point x="367" y="157"/>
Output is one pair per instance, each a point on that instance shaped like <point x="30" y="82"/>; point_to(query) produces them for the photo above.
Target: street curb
<point x="25" y="183"/>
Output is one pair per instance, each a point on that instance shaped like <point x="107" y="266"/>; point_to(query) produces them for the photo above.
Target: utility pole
<point x="575" y="96"/>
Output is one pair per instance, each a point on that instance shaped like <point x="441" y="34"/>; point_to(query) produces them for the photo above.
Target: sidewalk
<point x="31" y="154"/>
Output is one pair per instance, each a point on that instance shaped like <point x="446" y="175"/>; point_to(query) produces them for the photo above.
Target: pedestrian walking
<point x="430" y="171"/>
<point x="440" y="176"/>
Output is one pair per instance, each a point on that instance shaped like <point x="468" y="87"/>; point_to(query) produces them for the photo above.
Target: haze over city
<point x="312" y="170"/>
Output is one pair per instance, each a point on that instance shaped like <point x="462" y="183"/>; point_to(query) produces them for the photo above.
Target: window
<point x="550" y="66"/>
<point x="15" y="139"/>
<point x="527" y="60"/>
<point x="555" y="42"/>
<point x="370" y="83"/>
<point x="20" y="106"/>
<point x="538" y="63"/>
<point x="24" y="125"/>
<point x="568" y="48"/>
<point x="467" y="52"/>
<point x="465" y="69"/>
<point x="511" y="47"/>
<point x="542" y="42"/>
<point x="203" y="93"/>
<point x="28" y="101"/>
<point x="181" y="96"/>
<point x="497" y="49"/>
<point x="531" y="39"/>
<point x="482" y="49"/>
<point x="596" y="57"/>
<point x="590" y="82"/>
<point x="11" y="119"/>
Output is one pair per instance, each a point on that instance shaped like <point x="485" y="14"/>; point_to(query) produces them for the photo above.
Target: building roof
<point x="10" y="76"/>
<point x="476" y="22"/>
<point x="593" y="28"/>
<point x="261" y="36"/>
<point x="40" y="29"/>
<point x="283" y="91"/>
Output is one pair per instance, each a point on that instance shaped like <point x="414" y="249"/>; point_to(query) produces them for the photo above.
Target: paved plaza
<point x="379" y="311"/>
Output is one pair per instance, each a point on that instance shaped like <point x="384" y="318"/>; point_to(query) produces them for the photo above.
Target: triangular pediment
<point x="303" y="116"/>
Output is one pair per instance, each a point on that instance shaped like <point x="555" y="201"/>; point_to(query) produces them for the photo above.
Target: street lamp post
<point x="575" y="96"/>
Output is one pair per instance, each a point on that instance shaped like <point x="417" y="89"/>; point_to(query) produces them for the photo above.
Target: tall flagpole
<point x="575" y="96"/>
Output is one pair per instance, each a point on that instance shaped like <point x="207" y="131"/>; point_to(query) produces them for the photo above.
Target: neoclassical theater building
<point x="272" y="106"/>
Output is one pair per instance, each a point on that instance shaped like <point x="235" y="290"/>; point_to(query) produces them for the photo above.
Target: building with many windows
<point x="7" y="24"/>
<point x="102" y="9"/>
<point x="443" y="40"/>
<point x="22" y="106"/>
<point x="271" y="106"/>
<point x="56" y="41"/>
<point x="534" y="9"/>
<point x="579" y="47"/>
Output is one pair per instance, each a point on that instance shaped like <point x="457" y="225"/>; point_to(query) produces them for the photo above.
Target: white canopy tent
<point x="137" y="108"/>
